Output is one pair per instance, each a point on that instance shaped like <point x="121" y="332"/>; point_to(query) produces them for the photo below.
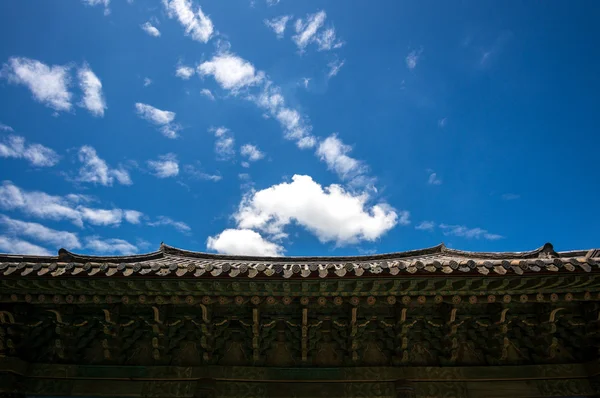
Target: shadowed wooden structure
<point x="435" y="322"/>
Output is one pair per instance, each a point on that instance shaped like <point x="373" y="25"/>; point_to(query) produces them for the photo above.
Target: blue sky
<point x="298" y="128"/>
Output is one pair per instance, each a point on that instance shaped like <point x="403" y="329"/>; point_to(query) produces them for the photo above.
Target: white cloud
<point x="470" y="233"/>
<point x="224" y="145"/>
<point x="245" y="164"/>
<point x="4" y="127"/>
<point x="334" y="153"/>
<point x="104" y="3"/>
<point x="305" y="81"/>
<point x="133" y="216"/>
<point x="326" y="40"/>
<point x="243" y="242"/>
<point x="306" y="31"/>
<point x="426" y="226"/>
<point x="442" y="122"/>
<point x="40" y="233"/>
<point x="184" y="72"/>
<point x="278" y="24"/>
<point x="334" y="67"/>
<point x="147" y="81"/>
<point x="154" y="115"/>
<point x="331" y="213"/>
<point x="294" y="126"/>
<point x="200" y="175"/>
<point x="96" y="170"/>
<point x="413" y="58"/>
<point x="178" y="225"/>
<point x="158" y="117"/>
<point x="207" y="93"/>
<point x="48" y="84"/>
<point x="150" y="29"/>
<point x="51" y="207"/>
<point x="166" y="166"/>
<point x="38" y="204"/>
<point x="103" y="246"/>
<point x="271" y="3"/>
<point x="251" y="152"/>
<point x="231" y="71"/>
<point x="196" y="24"/>
<point x="37" y="154"/>
<point x="434" y="179"/>
<point x="93" y="99"/>
<point x="101" y="216"/>
<point x="18" y="246"/>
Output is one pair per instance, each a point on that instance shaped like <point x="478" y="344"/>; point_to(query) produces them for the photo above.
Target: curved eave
<point x="67" y="256"/>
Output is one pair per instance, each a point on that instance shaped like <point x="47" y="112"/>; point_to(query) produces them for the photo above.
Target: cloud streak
<point x="158" y="117"/>
<point x="51" y="207"/>
<point x="91" y="86"/>
<point x="36" y="154"/>
<point x="49" y="85"/>
<point x="196" y="24"/>
<point x="96" y="171"/>
<point x="166" y="166"/>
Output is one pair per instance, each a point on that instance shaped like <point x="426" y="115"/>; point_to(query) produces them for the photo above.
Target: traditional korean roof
<point x="170" y="261"/>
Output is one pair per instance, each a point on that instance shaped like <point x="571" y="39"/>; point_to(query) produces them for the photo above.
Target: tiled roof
<point x="169" y="261"/>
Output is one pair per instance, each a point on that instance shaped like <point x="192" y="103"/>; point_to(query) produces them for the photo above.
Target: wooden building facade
<point x="436" y="322"/>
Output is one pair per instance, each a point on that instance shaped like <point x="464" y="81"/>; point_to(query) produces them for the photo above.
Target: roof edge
<point x="66" y="256"/>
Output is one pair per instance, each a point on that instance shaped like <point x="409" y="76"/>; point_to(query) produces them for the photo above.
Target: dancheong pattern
<point x="424" y="323"/>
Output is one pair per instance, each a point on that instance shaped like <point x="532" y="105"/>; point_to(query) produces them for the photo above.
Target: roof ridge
<point x="64" y="255"/>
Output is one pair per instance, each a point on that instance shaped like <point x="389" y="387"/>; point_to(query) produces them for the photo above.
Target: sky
<point x="312" y="127"/>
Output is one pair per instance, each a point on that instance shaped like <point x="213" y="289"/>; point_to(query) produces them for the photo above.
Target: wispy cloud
<point x="278" y="24"/>
<point x="104" y="3"/>
<point x="69" y="207"/>
<point x="93" y="99"/>
<point x="19" y="246"/>
<point x="103" y="246"/>
<point x="158" y="117"/>
<point x="251" y="152"/>
<point x="426" y="226"/>
<point x="412" y="59"/>
<point x="48" y="84"/>
<point x="166" y="166"/>
<point x="150" y="29"/>
<point x="184" y="72"/>
<point x="207" y="93"/>
<point x="434" y="179"/>
<point x="166" y="221"/>
<point x="334" y="67"/>
<point x="39" y="232"/>
<point x="334" y="153"/>
<point x="442" y="122"/>
<point x="469" y="233"/>
<point x="200" y="175"/>
<point x="307" y="31"/>
<point x="37" y="154"/>
<point x="327" y="40"/>
<point x="196" y="24"/>
<point x="4" y="127"/>
<point x="147" y="81"/>
<point x="95" y="169"/>
<point x="489" y="53"/>
<point x="224" y="145"/>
